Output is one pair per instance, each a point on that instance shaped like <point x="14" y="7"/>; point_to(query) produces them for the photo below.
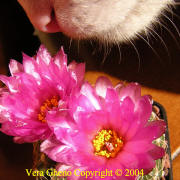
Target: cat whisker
<point x="150" y="29"/>
<point x="172" y="24"/>
<point x="107" y="50"/>
<point x="161" y="39"/>
<point x="78" y="45"/>
<point x="176" y="3"/>
<point x="120" y="54"/>
<point x="170" y="10"/>
<point x="138" y="55"/>
<point x="95" y="49"/>
<point x="100" y="46"/>
<point x="70" y="43"/>
<point x="172" y="35"/>
<point x="176" y="15"/>
<point x="141" y="37"/>
<point x="147" y="34"/>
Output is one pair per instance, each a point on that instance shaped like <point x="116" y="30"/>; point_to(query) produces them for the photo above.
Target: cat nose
<point x="46" y="23"/>
<point x="41" y="14"/>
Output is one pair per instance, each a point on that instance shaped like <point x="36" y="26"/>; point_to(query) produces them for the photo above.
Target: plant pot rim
<point x="163" y="116"/>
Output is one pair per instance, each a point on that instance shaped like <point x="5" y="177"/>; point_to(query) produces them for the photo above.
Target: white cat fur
<point x="109" y="20"/>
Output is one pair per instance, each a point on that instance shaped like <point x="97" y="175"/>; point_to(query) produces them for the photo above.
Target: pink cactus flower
<point x="36" y="87"/>
<point x="107" y="129"/>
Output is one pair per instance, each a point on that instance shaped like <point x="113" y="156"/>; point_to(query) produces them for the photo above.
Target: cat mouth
<point x="52" y="25"/>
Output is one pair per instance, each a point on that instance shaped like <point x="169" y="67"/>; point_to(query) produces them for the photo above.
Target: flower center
<point x="107" y="143"/>
<point x="47" y="106"/>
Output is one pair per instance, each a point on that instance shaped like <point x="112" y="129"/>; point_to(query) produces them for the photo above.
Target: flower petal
<point x="127" y="159"/>
<point x="15" y="67"/>
<point x="28" y="99"/>
<point x="145" y="163"/>
<point x="61" y="59"/>
<point x="153" y="131"/>
<point x="43" y="56"/>
<point x="88" y="91"/>
<point x="61" y="125"/>
<point x="137" y="147"/>
<point x="10" y="82"/>
<point x="132" y="90"/>
<point x="101" y="86"/>
<point x="77" y="71"/>
<point x="55" y="150"/>
<point x="156" y="152"/>
<point x="30" y="67"/>
<point x="126" y="115"/>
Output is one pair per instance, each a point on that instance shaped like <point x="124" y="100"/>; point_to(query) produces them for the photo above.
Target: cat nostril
<point x="52" y="25"/>
<point x="41" y="14"/>
<point x="52" y="14"/>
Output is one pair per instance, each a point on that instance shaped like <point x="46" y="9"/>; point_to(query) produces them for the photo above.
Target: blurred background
<point x="16" y="36"/>
<point x="156" y="66"/>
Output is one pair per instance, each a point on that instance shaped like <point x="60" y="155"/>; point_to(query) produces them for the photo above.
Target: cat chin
<point x="108" y="20"/>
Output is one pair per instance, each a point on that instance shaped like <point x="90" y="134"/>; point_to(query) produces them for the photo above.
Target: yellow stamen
<point x="47" y="105"/>
<point x="107" y="143"/>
